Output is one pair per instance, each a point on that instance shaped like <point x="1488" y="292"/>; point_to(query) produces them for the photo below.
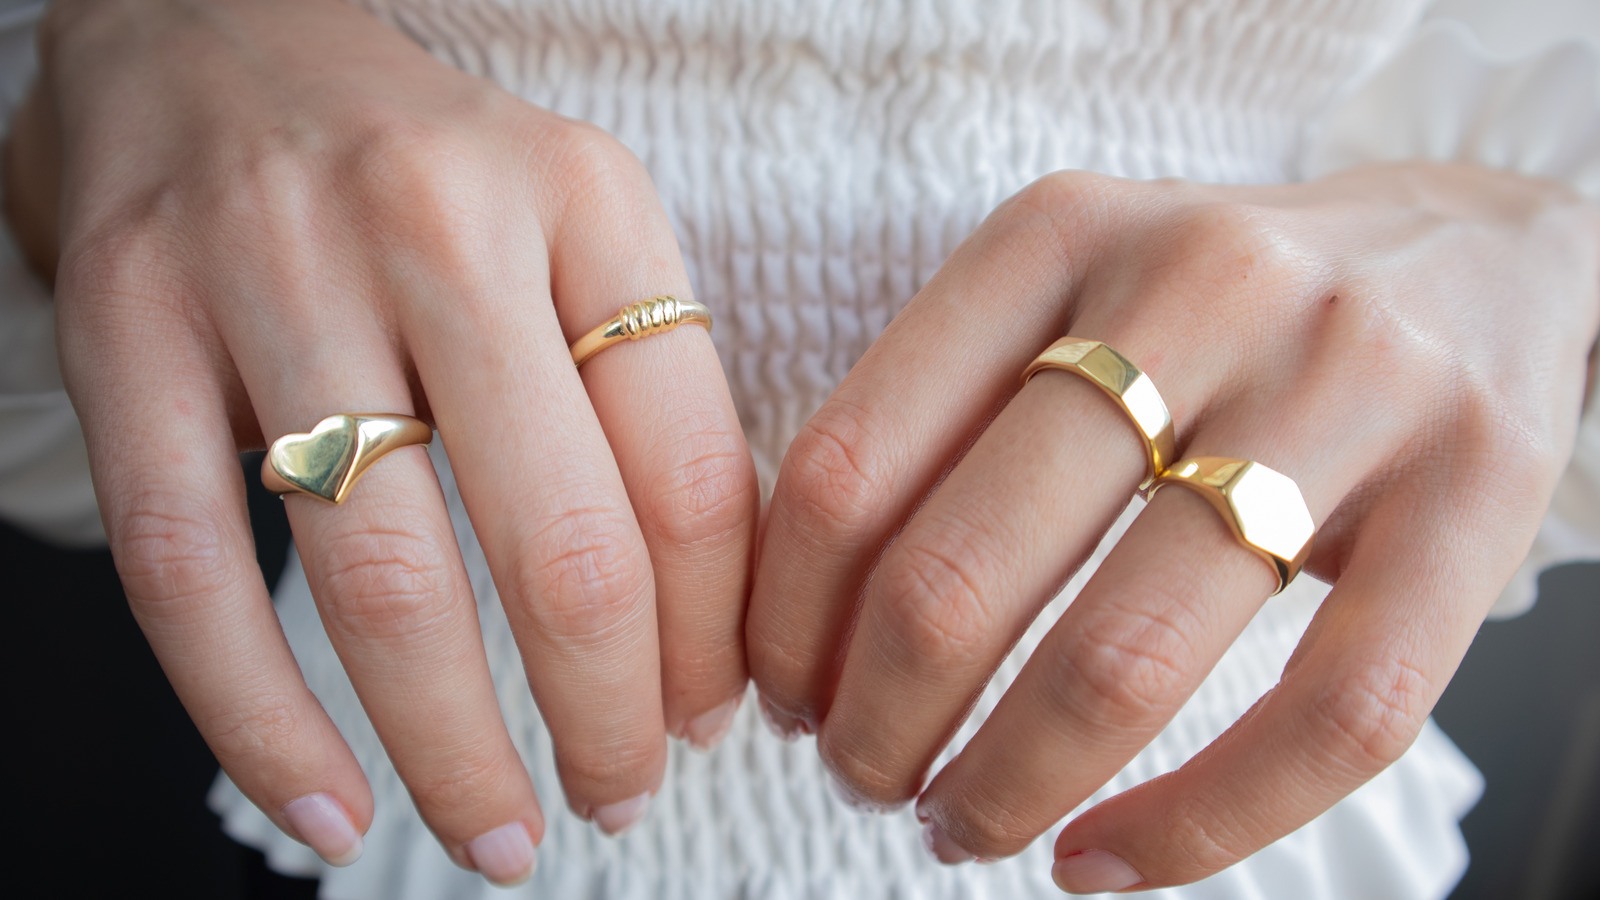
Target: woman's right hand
<point x="273" y="212"/>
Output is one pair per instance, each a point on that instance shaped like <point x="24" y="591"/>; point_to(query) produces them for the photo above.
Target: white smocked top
<point x="819" y="159"/>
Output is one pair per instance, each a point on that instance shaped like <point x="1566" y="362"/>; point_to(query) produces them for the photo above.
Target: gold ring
<point x="639" y="320"/>
<point x="1262" y="507"/>
<point x="1123" y="382"/>
<point x="326" y="462"/>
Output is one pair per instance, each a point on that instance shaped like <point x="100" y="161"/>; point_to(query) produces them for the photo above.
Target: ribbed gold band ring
<point x="1263" y="508"/>
<point x="327" y="461"/>
<point x="657" y="315"/>
<point x="1123" y="382"/>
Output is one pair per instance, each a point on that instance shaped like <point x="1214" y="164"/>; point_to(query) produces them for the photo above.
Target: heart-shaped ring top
<point x="327" y="461"/>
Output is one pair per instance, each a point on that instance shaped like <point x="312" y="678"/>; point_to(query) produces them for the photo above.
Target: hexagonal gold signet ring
<point x="1125" y="384"/>
<point x="1263" y="507"/>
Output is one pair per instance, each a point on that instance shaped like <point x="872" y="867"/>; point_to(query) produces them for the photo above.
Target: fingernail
<point x="615" y="818"/>
<point x="940" y="847"/>
<point x="1093" y="872"/>
<point x="505" y="855"/>
<point x="783" y="725"/>
<point x="706" y="731"/>
<point x="323" y="824"/>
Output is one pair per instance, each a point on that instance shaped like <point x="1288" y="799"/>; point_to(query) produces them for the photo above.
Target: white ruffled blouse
<point x="819" y="159"/>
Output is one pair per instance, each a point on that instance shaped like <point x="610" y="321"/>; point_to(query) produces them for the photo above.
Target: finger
<point x="548" y="505"/>
<point x="898" y="422"/>
<point x="400" y="613"/>
<point x="669" y="418"/>
<point x="1131" y="649"/>
<point x="1019" y="513"/>
<point x="1152" y="622"/>
<point x="1352" y="699"/>
<point x="960" y="584"/>
<point x="169" y="486"/>
<point x="386" y="573"/>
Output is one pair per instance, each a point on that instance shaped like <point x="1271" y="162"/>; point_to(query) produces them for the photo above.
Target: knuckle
<point x="264" y="725"/>
<point x="1060" y="196"/>
<point x="1059" y="205"/>
<point x="1128" y="666"/>
<point x="169" y="559"/>
<point x="587" y="161"/>
<point x="785" y="670"/>
<point x="691" y="671"/>
<point x="1200" y="841"/>
<point x="395" y="154"/>
<point x="707" y="496"/>
<point x="273" y="176"/>
<point x="829" y="475"/>
<point x="583" y="576"/>
<point x="382" y="584"/>
<point x="460" y="780"/>
<point x="989" y="831"/>
<point x="119" y="265"/>
<point x="1369" y="718"/>
<point x="1516" y="440"/>
<point x="594" y="769"/>
<point x="931" y="600"/>
<point x="866" y="779"/>
<point x="422" y="186"/>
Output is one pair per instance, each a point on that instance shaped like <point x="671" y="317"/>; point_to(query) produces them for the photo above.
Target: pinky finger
<point x="172" y="496"/>
<point x="1352" y="700"/>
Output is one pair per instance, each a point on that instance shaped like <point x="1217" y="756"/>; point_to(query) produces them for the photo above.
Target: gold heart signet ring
<point x="327" y="461"/>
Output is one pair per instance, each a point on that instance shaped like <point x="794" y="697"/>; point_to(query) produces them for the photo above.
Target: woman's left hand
<point x="1408" y="343"/>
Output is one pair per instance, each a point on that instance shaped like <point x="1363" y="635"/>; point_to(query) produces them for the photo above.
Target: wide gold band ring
<point x="1262" y="506"/>
<point x="327" y="461"/>
<point x="1123" y="382"/>
<point x="640" y="320"/>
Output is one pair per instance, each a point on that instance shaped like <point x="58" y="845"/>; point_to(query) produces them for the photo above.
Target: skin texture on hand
<point x="270" y="212"/>
<point x="1408" y="343"/>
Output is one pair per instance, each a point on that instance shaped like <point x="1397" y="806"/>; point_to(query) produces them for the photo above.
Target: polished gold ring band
<point x="1123" y="382"/>
<point x="640" y="320"/>
<point x="327" y="461"/>
<point x="1263" y="508"/>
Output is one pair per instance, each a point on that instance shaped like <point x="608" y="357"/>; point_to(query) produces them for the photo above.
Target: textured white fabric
<point x="818" y="161"/>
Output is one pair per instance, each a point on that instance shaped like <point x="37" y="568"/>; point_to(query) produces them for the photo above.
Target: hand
<point x="272" y="212"/>
<point x="1408" y="343"/>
